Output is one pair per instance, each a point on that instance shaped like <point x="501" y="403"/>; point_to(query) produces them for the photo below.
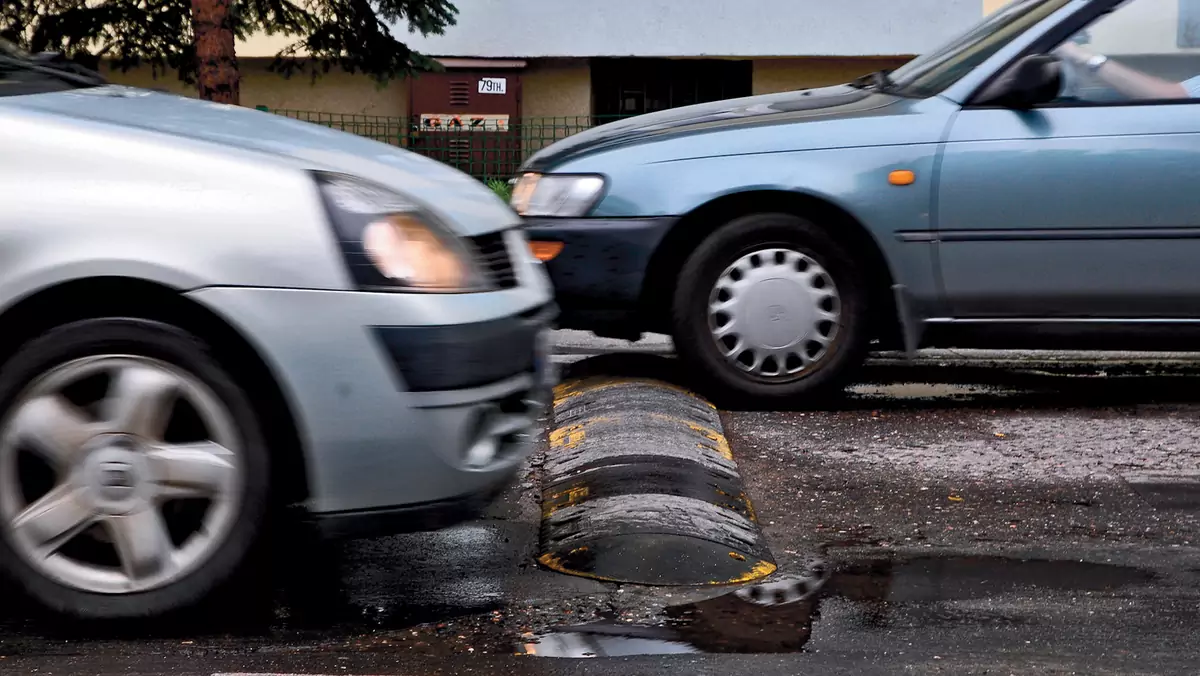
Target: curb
<point x="640" y="486"/>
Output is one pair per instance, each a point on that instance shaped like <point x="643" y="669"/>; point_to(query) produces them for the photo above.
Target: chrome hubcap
<point x="118" y="474"/>
<point x="774" y="313"/>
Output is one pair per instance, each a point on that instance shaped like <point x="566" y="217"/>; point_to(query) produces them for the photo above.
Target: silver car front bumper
<point x="373" y="443"/>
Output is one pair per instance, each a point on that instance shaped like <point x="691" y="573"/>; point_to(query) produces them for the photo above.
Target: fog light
<point x="494" y="430"/>
<point x="482" y="452"/>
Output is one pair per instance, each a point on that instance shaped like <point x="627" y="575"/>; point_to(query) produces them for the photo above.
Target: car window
<point x="1141" y="51"/>
<point x="932" y="73"/>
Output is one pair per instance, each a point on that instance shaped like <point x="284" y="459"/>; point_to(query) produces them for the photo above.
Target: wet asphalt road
<point x="990" y="514"/>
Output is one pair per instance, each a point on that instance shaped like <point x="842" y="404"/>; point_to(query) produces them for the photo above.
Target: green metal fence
<point x="481" y="146"/>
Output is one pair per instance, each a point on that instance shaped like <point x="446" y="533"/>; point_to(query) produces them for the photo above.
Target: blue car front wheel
<point x="771" y="307"/>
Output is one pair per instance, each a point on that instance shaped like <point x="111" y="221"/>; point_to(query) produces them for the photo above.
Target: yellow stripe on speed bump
<point x="573" y="388"/>
<point x="640" y="486"/>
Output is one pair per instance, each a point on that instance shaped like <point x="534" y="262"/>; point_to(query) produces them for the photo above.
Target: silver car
<point x="212" y="314"/>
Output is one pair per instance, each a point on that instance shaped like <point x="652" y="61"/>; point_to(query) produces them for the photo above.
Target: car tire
<point x="139" y="492"/>
<point x="766" y="301"/>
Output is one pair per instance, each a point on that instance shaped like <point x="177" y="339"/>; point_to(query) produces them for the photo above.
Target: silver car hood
<point x="463" y="202"/>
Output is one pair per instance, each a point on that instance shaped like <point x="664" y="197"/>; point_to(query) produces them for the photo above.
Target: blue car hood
<point x="822" y="103"/>
<point x="462" y="201"/>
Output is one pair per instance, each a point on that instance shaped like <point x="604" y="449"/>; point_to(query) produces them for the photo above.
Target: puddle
<point x="778" y="616"/>
<point x="929" y="579"/>
<point x="1166" y="490"/>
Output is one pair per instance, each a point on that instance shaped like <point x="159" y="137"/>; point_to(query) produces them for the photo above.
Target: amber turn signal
<point x="902" y="177"/>
<point x="545" y="251"/>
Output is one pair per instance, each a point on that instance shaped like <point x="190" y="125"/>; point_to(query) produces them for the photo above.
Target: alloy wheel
<point x="118" y="474"/>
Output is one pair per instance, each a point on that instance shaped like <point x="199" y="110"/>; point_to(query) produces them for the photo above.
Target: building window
<point x="636" y="86"/>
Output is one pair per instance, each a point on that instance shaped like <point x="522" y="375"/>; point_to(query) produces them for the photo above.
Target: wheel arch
<point x="93" y="297"/>
<point x="691" y="229"/>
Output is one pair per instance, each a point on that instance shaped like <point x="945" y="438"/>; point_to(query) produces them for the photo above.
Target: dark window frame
<point x="654" y="84"/>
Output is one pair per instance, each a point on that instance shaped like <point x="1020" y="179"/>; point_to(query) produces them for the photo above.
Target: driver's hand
<point x="1072" y="52"/>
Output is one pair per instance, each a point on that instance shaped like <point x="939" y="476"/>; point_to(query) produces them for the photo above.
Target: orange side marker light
<point x="902" y="177"/>
<point x="545" y="251"/>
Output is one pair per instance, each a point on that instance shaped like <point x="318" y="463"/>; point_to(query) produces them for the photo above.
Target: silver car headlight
<point x="557" y="195"/>
<point x="390" y="243"/>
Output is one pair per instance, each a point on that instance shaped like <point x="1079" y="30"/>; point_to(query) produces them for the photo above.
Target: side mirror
<point x="1032" y="80"/>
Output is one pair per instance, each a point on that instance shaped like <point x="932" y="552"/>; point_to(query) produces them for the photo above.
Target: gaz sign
<point x="460" y="122"/>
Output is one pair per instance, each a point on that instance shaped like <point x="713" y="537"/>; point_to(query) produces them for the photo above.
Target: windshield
<point x="930" y="74"/>
<point x="9" y="49"/>
<point x="23" y="73"/>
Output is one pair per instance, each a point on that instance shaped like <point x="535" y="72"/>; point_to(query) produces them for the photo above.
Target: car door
<point x="1087" y="207"/>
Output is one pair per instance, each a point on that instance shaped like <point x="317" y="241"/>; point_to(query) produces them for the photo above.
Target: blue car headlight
<point x="557" y="195"/>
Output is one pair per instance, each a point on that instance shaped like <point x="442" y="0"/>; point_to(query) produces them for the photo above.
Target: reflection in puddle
<point x="608" y="640"/>
<point x="770" y="617"/>
<point x="778" y="616"/>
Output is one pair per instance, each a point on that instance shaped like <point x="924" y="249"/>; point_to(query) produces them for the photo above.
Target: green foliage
<point x="502" y="189"/>
<point x="351" y="35"/>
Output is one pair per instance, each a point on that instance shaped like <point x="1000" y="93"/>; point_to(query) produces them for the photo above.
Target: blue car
<point x="1033" y="183"/>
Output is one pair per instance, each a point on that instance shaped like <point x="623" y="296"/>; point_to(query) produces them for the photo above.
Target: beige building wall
<point x="333" y="92"/>
<point x="990" y="6"/>
<point x="788" y="74"/>
<point x="144" y="78"/>
<point x="550" y="87"/>
<point x="556" y="88"/>
<point x="563" y="87"/>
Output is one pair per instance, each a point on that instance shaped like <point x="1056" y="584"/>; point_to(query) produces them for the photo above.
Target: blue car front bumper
<point x="599" y="277"/>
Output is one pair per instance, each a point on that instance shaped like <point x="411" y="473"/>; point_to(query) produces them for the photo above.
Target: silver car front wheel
<point x="126" y="474"/>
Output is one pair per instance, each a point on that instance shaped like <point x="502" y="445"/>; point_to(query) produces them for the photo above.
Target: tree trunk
<point x="218" y="79"/>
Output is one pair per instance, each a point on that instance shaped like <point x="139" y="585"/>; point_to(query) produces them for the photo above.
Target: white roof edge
<point x="696" y="28"/>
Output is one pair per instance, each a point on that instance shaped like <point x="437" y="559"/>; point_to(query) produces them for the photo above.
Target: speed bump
<point x="639" y="486"/>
